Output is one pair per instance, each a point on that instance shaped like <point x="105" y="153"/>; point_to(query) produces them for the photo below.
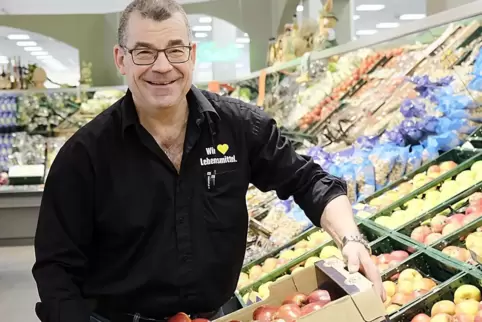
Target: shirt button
<point x="185" y="258"/>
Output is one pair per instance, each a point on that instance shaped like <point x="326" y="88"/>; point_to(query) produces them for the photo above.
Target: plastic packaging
<point x="348" y="174"/>
<point x="365" y="179"/>
<point x="383" y="161"/>
<point x="400" y="165"/>
<point x="414" y="158"/>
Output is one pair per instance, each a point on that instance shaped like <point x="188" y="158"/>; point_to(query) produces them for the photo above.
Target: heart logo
<point x="223" y="148"/>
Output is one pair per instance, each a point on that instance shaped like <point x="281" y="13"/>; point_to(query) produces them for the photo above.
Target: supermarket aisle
<point x="18" y="293"/>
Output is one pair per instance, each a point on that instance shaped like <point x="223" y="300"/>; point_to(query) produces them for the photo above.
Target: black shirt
<point x="118" y="223"/>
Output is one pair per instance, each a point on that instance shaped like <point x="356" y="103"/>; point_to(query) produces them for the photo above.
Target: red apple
<point x="312" y="307"/>
<point x="447" y="166"/>
<point x="179" y="317"/>
<point x="463" y="318"/>
<point x="384" y="258"/>
<point x="420" y="233"/>
<point x="459" y="218"/>
<point x="441" y="317"/>
<point x="438" y="223"/>
<point x="471" y="209"/>
<point x="401" y="299"/>
<point x="299" y="299"/>
<point x="432" y="238"/>
<point x="450" y="228"/>
<point x="419" y="293"/>
<point x="475" y="198"/>
<point x="471" y="217"/>
<point x="399" y="255"/>
<point x="201" y="320"/>
<point x="265" y="313"/>
<point x="422" y="317"/>
<point x="288" y="312"/>
<point x="319" y="296"/>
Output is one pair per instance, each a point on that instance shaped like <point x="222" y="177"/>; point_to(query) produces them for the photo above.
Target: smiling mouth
<point x="161" y="83"/>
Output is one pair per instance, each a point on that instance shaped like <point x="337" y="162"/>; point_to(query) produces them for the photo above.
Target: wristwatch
<point x="357" y="239"/>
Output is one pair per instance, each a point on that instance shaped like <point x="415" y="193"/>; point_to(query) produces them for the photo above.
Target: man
<point x="144" y="213"/>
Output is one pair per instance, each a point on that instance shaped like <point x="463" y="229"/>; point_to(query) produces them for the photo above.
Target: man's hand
<point x="358" y="259"/>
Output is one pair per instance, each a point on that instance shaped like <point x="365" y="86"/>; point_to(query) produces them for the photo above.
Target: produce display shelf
<point x="443" y="292"/>
<point x="473" y="143"/>
<point x="464" y="159"/>
<point x="421" y="192"/>
<point x="477" y="134"/>
<point x="457" y="239"/>
<point x="438" y="269"/>
<point x="370" y="232"/>
<point x="449" y="207"/>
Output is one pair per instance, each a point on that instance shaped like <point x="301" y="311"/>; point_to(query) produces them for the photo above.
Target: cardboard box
<point x="353" y="296"/>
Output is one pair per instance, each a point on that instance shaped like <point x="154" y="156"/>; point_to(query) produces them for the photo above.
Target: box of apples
<point x="456" y="301"/>
<point x="414" y="278"/>
<point x="322" y="292"/>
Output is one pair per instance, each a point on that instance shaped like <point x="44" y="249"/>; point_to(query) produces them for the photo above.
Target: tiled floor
<point x="18" y="293"/>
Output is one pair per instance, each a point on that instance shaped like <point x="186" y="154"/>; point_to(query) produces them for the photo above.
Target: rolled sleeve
<point x="275" y="165"/>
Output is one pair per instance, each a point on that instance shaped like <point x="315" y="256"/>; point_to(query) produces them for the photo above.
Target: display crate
<point x="443" y="292"/>
<point x="477" y="134"/>
<point x="473" y="143"/>
<point x="402" y="203"/>
<point x="457" y="239"/>
<point x="371" y="233"/>
<point x="464" y="159"/>
<point x="438" y="269"/>
<point x="448" y="208"/>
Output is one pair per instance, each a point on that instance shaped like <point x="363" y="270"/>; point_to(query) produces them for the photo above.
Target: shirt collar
<point x="195" y="98"/>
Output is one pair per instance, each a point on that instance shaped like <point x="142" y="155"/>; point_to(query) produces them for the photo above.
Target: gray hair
<point x="158" y="10"/>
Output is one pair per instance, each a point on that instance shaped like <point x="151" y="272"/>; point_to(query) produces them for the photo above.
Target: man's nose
<point x="162" y="65"/>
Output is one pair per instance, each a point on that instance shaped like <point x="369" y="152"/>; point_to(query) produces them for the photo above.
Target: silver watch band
<point x="357" y="239"/>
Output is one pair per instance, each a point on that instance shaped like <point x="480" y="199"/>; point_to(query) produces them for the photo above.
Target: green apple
<point x="477" y="167"/>
<point x="383" y="221"/>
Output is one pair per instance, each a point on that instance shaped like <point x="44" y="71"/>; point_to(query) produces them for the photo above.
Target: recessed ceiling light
<point x="239" y="45"/>
<point x="299" y="8"/>
<point x="387" y="25"/>
<point x="413" y="16"/>
<point x="200" y="35"/>
<point x="18" y="37"/>
<point x="26" y="43"/>
<point x="32" y="48"/>
<point x="356" y="17"/>
<point x="205" y="19"/>
<point x="370" y="7"/>
<point x="242" y="40"/>
<point x="39" y="53"/>
<point x="202" y="28"/>
<point x="366" y="32"/>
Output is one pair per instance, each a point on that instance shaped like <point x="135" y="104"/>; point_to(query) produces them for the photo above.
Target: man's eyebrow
<point x="175" y="42"/>
<point x="143" y="45"/>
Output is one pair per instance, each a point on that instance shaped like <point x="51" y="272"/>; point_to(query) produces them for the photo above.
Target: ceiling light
<point x="356" y="17"/>
<point x="39" y="53"/>
<point x="387" y="25"/>
<point x="200" y="35"/>
<point x="299" y="8"/>
<point x="366" y="32"/>
<point x="205" y="19"/>
<point x="242" y="40"/>
<point x="239" y="45"/>
<point x="18" y="37"/>
<point x="26" y="43"/>
<point x="202" y="28"/>
<point x="32" y="48"/>
<point x="370" y="7"/>
<point x="413" y="16"/>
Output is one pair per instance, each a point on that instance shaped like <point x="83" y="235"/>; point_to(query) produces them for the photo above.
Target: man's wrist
<point x="356" y="238"/>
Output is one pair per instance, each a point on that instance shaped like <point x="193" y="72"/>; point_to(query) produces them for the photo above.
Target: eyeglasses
<point x="148" y="56"/>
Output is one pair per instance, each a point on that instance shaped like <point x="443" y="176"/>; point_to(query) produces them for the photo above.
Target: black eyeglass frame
<point x="158" y="51"/>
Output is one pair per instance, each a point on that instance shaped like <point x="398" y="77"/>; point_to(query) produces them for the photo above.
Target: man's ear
<point x="119" y="59"/>
<point x="193" y="54"/>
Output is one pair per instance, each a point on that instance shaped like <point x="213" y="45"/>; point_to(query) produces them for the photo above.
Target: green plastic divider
<point x="442" y="292"/>
<point x="456" y="239"/>
<point x="437" y="269"/>
<point x="464" y="159"/>
<point x="477" y="133"/>
<point x="475" y="143"/>
<point x="451" y="206"/>
<point x="372" y="234"/>
<point x="401" y="204"/>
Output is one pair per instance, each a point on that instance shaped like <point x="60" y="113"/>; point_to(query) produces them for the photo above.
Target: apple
<point x="471" y="217"/>
<point x="478" y="317"/>
<point x="469" y="307"/>
<point x="458" y="218"/>
<point x="447" y="166"/>
<point x="255" y="272"/>
<point x="475" y="198"/>
<point x="265" y="313"/>
<point x="424" y="284"/>
<point x="466" y="292"/>
<point x="420" y="233"/>
<point x="438" y="223"/>
<point x="450" y="228"/>
<point x="302" y="244"/>
<point x="393" y="308"/>
<point x="311" y="261"/>
<point x="405" y="287"/>
<point x="384" y="258"/>
<point x="447" y="307"/>
<point x="388" y="301"/>
<point x="179" y="317"/>
<point x="471" y="209"/>
<point x="390" y="288"/>
<point x="269" y="265"/>
<point x="441" y="317"/>
<point x="474" y="239"/>
<point x="282" y="261"/>
<point x="432" y="238"/>
<point x="399" y="255"/>
<point x="263" y="290"/>
<point x="422" y="317"/>
<point x="401" y="298"/>
<point x="463" y="318"/>
<point x="312" y="307"/>
<point x="330" y="251"/>
<point x="200" y="320"/>
<point x="419" y="293"/>
<point x="288" y="312"/>
<point x="319" y="296"/>
<point x="299" y="299"/>
<point x="410" y="274"/>
<point x="288" y="254"/>
<point x="458" y="253"/>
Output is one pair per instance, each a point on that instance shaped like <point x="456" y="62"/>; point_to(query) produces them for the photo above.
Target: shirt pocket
<point x="224" y="201"/>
